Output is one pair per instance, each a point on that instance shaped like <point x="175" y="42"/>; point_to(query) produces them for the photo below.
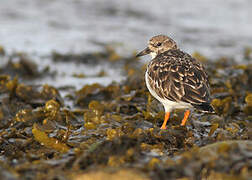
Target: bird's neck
<point x="153" y="55"/>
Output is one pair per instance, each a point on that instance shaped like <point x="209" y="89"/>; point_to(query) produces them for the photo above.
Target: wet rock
<point x="123" y="174"/>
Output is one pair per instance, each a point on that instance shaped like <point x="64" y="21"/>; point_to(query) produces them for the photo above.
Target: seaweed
<point x="113" y="132"/>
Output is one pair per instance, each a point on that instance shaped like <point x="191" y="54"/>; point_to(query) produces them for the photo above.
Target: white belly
<point x="168" y="105"/>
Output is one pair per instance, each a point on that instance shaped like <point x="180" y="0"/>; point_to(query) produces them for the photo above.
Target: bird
<point x="175" y="78"/>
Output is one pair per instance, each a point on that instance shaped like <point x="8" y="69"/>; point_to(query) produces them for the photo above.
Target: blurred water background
<point x="38" y="27"/>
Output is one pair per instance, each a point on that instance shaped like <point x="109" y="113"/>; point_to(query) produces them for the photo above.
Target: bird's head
<point x="157" y="45"/>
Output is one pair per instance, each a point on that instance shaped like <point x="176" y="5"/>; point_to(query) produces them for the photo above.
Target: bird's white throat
<point x="153" y="55"/>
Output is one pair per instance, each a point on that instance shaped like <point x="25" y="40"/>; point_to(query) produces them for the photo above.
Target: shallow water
<point x="213" y="28"/>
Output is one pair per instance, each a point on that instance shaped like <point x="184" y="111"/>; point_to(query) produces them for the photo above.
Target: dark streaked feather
<point x="205" y="107"/>
<point x="176" y="76"/>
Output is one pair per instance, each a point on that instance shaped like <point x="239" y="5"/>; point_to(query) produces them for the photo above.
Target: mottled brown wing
<point x="177" y="76"/>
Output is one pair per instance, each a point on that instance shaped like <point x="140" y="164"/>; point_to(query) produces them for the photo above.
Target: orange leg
<point x="186" y="115"/>
<point x="167" y="115"/>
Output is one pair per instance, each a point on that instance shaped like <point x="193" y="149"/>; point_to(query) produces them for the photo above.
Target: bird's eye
<point x="159" y="44"/>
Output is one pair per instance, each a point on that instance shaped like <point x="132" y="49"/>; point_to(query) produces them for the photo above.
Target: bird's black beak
<point x="144" y="52"/>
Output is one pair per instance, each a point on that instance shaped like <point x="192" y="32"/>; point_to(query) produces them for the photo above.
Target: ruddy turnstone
<point x="175" y="78"/>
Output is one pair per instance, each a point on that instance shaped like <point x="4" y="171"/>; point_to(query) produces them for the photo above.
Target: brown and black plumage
<point x="175" y="78"/>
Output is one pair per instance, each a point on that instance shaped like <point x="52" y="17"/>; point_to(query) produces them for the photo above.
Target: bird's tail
<point x="205" y="107"/>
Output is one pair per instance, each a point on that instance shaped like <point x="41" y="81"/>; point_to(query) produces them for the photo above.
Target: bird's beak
<point x="144" y="52"/>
